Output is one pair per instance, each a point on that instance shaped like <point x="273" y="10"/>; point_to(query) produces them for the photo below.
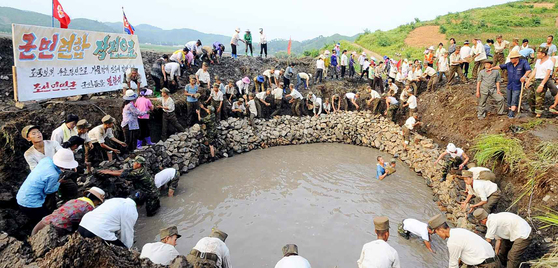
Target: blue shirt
<point x="217" y="45"/>
<point x="487" y="50"/>
<point x="526" y="52"/>
<point x="380" y="170"/>
<point x="192" y="90"/>
<point x="42" y="180"/>
<point x="333" y="60"/>
<point x="515" y="73"/>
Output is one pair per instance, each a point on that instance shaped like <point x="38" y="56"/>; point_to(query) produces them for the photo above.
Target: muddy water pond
<point x="322" y="197"/>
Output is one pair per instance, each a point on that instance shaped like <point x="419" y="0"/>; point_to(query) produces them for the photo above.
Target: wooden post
<point x="14" y="73"/>
<point x="520" y="98"/>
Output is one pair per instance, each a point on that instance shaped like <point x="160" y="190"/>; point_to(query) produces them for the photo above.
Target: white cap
<point x="431" y="48"/>
<point x="64" y="158"/>
<point x="98" y="192"/>
<point x="237" y="29"/>
<point x="451" y="148"/>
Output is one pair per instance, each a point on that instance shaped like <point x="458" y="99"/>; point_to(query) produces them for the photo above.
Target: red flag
<point x="289" y="47"/>
<point x="128" y="28"/>
<point x="59" y="14"/>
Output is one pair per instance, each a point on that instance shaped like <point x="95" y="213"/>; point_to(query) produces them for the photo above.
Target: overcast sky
<point x="299" y="19"/>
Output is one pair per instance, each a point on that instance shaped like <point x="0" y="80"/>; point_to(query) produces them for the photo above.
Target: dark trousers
<point x="131" y="138"/>
<point x="191" y="116"/>
<point x="170" y="119"/>
<point x="35" y="215"/>
<point x="343" y="69"/>
<point x="333" y="71"/>
<point x="351" y="71"/>
<point x="88" y="234"/>
<point x="465" y="67"/>
<point x="319" y="75"/>
<point x="233" y="50"/>
<point x="510" y="252"/>
<point x="263" y="50"/>
<point x="287" y="82"/>
<point x="218" y="113"/>
<point x="145" y="132"/>
<point x="379" y="84"/>
<point x="365" y="72"/>
<point x="277" y="104"/>
<point x="158" y="84"/>
<point x="249" y="45"/>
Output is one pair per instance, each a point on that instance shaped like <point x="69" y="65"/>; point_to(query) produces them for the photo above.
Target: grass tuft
<point x="532" y="124"/>
<point x="549" y="218"/>
<point x="548" y="151"/>
<point x="548" y="260"/>
<point x="497" y="148"/>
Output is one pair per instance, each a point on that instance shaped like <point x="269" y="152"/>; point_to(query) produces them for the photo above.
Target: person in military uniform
<point x="142" y="181"/>
<point x="537" y="81"/>
<point x="457" y="159"/>
<point x="209" y="127"/>
<point x="379" y="253"/>
<point x="211" y="251"/>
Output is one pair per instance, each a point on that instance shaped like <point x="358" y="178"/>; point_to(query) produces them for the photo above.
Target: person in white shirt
<point x="303" y="79"/>
<point x="431" y="75"/>
<point x="365" y="68"/>
<point x="361" y="60"/>
<point x="242" y="86"/>
<point x="463" y="245"/>
<point x="374" y="101"/>
<point x="216" y="97"/>
<point x="514" y="46"/>
<point x="417" y="228"/>
<point x="277" y="99"/>
<point x="169" y="177"/>
<point x="457" y="158"/>
<point x="291" y="259"/>
<point x="295" y="101"/>
<point x="40" y="148"/>
<point x="101" y="151"/>
<point x="466" y="56"/>
<point x="411" y="102"/>
<point x="202" y="75"/>
<point x="68" y="129"/>
<point x="163" y="252"/>
<point x="414" y="77"/>
<point x="392" y="87"/>
<point x="263" y="43"/>
<point x="173" y="69"/>
<point x="252" y="108"/>
<point x="316" y="104"/>
<point x="486" y="191"/>
<point x="440" y="51"/>
<point x="392" y="105"/>
<point x="476" y="172"/>
<point x="479" y="55"/>
<point x="234" y="43"/>
<point x="327" y="106"/>
<point x="238" y="108"/>
<point x="538" y="78"/>
<point x="512" y="234"/>
<point x="320" y="66"/>
<point x="409" y="125"/>
<point x="443" y="67"/>
<point x="350" y="101"/>
<point x="344" y="62"/>
<point x="261" y="104"/>
<point x="211" y="250"/>
<point x="378" y="253"/>
<point x="114" y="215"/>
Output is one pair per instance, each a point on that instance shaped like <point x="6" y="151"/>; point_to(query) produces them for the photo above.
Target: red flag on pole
<point x="289" y="47"/>
<point x="128" y="28"/>
<point x="59" y="14"/>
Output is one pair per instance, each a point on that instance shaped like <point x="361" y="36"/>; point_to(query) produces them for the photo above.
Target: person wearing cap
<point x="63" y="133"/>
<point x="263" y="43"/>
<point x="238" y="108"/>
<point x="333" y="64"/>
<point x="390" y="169"/>
<point x="455" y="66"/>
<point x="466" y="54"/>
<point x="242" y="86"/>
<point x="130" y="124"/>
<point x="114" y="215"/>
<point x="429" y="75"/>
<point x="320" y="66"/>
<point x="316" y="104"/>
<point x="131" y="75"/>
<point x="261" y="104"/>
<point x="479" y="56"/>
<point x="211" y="251"/>
<point x="296" y="99"/>
<point x="374" y="101"/>
<point x="429" y="56"/>
<point x="252" y="108"/>
<point x="40" y="148"/>
<point x="517" y="71"/>
<point x="192" y="103"/>
<point x="487" y="174"/>
<point x="142" y="181"/>
<point x="548" y="44"/>
<point x="83" y="127"/>
<point x="216" y="98"/>
<point x="248" y="42"/>
<point x="488" y="85"/>
<point x="414" y="76"/>
<point x="409" y="126"/>
<point x="463" y="245"/>
<point x="101" y="151"/>
<point x="343" y="63"/>
<point x="162" y="252"/>
<point x="291" y="259"/>
<point x="538" y="79"/>
<point x="209" y="128"/>
<point x="499" y="46"/>
<point x="417" y="228"/>
<point x="234" y="42"/>
<point x="143" y="104"/>
<point x="169" y="116"/>
<point x="169" y="177"/>
<point x="512" y="234"/>
<point x="157" y="72"/>
<point x="392" y="105"/>
<point x="350" y="101"/>
<point x="230" y="90"/>
<point x="203" y="77"/>
<point x="36" y="197"/>
<point x="68" y="216"/>
<point x="378" y="84"/>
<point x="277" y="99"/>
<point x="485" y="190"/>
<point x="303" y="79"/>
<point x="173" y="72"/>
<point x="361" y="60"/>
<point x="379" y="253"/>
<point x="457" y="159"/>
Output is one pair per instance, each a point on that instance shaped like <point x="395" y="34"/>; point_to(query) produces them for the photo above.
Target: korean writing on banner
<point x="53" y="62"/>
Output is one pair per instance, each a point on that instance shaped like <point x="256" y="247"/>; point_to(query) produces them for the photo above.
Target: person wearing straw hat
<point x="211" y="251"/>
<point x="291" y="259"/>
<point x="36" y="197"/>
<point x="379" y="253"/>
<point x="130" y="123"/>
<point x="68" y="129"/>
<point x="68" y="216"/>
<point x="115" y="215"/>
<point x="463" y="245"/>
<point x="539" y="78"/>
<point x="512" y="234"/>
<point x="488" y="85"/>
<point x="162" y="252"/>
<point x="40" y="148"/>
<point x="457" y="159"/>
<point x="486" y="191"/>
<point x="101" y="151"/>
<point x="517" y="70"/>
<point x="142" y="181"/>
<point x="234" y="42"/>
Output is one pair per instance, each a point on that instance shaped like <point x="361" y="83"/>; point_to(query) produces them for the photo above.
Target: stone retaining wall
<point x="185" y="151"/>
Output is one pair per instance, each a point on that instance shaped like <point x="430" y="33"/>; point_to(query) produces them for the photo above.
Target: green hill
<point x="533" y="20"/>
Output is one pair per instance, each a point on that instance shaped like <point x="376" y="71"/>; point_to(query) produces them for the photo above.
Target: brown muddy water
<point x="321" y="197"/>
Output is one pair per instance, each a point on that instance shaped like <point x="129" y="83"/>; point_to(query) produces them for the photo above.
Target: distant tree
<point x="417" y="20"/>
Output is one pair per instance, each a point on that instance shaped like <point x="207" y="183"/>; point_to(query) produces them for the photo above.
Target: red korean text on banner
<point x="59" y="14"/>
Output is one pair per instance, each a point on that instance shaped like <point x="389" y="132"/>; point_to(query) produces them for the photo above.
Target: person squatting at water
<point x="291" y="259"/>
<point x="211" y="251"/>
<point x="162" y="252"/>
<point x="417" y="228"/>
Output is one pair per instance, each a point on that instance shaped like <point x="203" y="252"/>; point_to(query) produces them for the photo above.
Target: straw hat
<point x="514" y="54"/>
<point x="97" y="192"/>
<point x="107" y="119"/>
<point x="466" y="174"/>
<point x="64" y="158"/>
<point x="130" y="95"/>
<point x="25" y="131"/>
<point x="81" y="124"/>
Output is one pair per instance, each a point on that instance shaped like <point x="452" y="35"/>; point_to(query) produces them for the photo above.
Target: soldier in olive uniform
<point x="142" y="181"/>
<point x="209" y="127"/>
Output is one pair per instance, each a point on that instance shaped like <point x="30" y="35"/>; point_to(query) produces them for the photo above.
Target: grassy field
<point x="533" y="20"/>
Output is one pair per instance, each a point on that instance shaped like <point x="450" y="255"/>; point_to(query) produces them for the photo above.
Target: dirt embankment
<point x="425" y="36"/>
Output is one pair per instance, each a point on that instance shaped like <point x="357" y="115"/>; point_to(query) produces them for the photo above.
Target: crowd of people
<point x="49" y="195"/>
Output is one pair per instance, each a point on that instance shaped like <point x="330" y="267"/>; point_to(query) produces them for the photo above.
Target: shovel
<point x="520" y="97"/>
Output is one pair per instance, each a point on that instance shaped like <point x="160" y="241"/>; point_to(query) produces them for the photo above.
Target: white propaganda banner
<point x="53" y="62"/>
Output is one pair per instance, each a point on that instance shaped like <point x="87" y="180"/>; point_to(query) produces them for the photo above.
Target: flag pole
<point x="123" y="26"/>
<point x="52" y="17"/>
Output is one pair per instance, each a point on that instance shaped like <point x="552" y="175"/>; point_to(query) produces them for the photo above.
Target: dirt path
<point x="368" y="52"/>
<point x="425" y="36"/>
